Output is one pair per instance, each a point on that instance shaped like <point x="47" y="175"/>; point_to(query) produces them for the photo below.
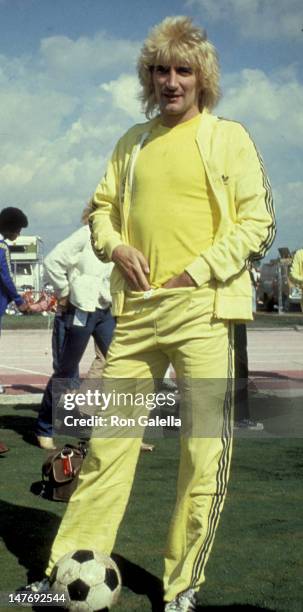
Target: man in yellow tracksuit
<point x="183" y="208"/>
<point x="296" y="271"/>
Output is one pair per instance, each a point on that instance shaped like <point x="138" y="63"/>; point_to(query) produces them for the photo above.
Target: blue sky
<point x="68" y="91"/>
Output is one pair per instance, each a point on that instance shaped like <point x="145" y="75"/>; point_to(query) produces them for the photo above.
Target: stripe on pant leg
<point x="222" y="472"/>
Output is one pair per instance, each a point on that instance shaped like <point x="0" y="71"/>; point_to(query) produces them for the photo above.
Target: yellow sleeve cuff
<point x="107" y="248"/>
<point x="111" y="245"/>
<point x="199" y="271"/>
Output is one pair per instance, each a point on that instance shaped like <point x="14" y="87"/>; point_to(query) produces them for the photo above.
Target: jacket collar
<point x="204" y="132"/>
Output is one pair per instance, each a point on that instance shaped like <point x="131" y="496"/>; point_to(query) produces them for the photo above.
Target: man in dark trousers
<point x="12" y="220"/>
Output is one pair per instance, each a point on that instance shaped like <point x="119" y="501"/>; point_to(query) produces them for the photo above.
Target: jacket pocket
<point x="117" y="282"/>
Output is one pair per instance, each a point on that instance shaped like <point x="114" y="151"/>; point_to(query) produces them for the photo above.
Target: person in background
<point x="243" y="418"/>
<point x="12" y="221"/>
<point x="296" y="271"/>
<point x="255" y="278"/>
<point x="81" y="283"/>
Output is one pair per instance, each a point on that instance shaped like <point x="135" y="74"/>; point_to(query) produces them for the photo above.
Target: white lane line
<point x="23" y="370"/>
<point x="272" y="362"/>
<point x="26" y="350"/>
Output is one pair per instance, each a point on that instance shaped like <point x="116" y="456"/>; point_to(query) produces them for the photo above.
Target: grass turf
<point x="33" y="321"/>
<point x="262" y="319"/>
<point x="257" y="560"/>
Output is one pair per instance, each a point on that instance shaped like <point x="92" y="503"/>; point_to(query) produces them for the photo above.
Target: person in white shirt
<point x="81" y="283"/>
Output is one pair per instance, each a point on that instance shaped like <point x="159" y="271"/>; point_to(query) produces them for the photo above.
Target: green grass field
<point x="34" y="321"/>
<point x="257" y="560"/>
<point x="262" y="319"/>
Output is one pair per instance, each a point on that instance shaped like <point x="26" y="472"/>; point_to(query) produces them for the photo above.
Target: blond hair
<point x="87" y="211"/>
<point x="177" y="40"/>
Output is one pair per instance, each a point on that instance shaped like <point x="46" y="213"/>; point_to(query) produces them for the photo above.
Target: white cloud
<point x="262" y="19"/>
<point x="288" y="200"/>
<point x="62" y="112"/>
<point x="271" y="107"/>
<point x="80" y="61"/>
<point x="124" y="93"/>
<point x="64" y="109"/>
<point x="27" y="117"/>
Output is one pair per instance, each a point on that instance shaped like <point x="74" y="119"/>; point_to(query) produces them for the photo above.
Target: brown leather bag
<point x="60" y="471"/>
<point x="3" y="448"/>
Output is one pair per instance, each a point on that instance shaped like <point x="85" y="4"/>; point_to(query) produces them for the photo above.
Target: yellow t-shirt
<point x="173" y="216"/>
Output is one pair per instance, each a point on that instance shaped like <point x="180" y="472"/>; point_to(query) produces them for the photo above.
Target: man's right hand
<point x="63" y="303"/>
<point x="133" y="266"/>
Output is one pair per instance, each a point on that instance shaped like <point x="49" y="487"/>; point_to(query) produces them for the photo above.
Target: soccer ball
<point x="89" y="581"/>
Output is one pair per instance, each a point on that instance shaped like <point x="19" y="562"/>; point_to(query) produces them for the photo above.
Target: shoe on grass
<point x="40" y="586"/>
<point x="185" y="602"/>
<point x="249" y="425"/>
<point x="3" y="447"/>
<point x="147" y="447"/>
<point x="45" y="442"/>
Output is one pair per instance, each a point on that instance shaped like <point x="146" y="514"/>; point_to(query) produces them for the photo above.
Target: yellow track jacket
<point x="242" y="191"/>
<point x="296" y="270"/>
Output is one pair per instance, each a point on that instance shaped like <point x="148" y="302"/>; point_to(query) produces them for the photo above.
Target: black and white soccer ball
<point x="89" y="580"/>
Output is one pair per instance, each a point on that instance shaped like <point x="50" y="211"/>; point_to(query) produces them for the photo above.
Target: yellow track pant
<point x="171" y="326"/>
